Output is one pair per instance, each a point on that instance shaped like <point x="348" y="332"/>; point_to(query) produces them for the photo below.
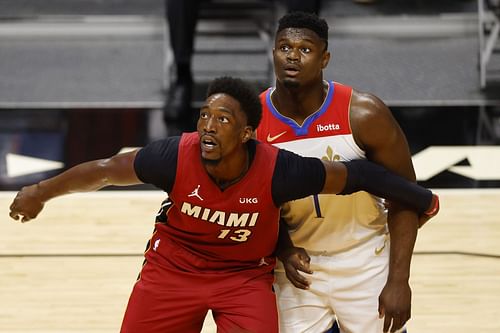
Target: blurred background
<point x="82" y="79"/>
<point x="85" y="79"/>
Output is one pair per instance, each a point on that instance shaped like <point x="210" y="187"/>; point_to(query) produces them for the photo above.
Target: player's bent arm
<point x="85" y="177"/>
<point x="363" y="175"/>
<point x="377" y="132"/>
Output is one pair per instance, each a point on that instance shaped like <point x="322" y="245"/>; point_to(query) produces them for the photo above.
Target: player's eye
<point x="284" y="48"/>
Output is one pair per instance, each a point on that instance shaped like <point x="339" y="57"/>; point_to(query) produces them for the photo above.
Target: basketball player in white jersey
<point x="360" y="274"/>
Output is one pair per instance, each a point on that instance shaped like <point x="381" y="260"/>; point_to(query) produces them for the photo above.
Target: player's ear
<point x="247" y="134"/>
<point x="326" y="59"/>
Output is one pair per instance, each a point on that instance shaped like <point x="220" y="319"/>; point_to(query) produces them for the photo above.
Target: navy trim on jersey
<point x="304" y="129"/>
<point x="317" y="206"/>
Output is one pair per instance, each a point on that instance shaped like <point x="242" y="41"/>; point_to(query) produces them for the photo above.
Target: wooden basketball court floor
<point x="72" y="269"/>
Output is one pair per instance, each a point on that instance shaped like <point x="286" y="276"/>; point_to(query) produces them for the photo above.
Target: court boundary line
<point x="158" y="193"/>
<point x="114" y="255"/>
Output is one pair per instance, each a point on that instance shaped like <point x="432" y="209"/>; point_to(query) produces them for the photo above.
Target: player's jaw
<point x="290" y="75"/>
<point x="297" y="76"/>
<point x="210" y="147"/>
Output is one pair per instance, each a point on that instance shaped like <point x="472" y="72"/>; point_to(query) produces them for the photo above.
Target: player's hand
<point x="27" y="204"/>
<point x="431" y="212"/>
<point x="296" y="260"/>
<point x="394" y="305"/>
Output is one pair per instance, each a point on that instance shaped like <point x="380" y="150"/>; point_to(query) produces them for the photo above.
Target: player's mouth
<point x="208" y="143"/>
<point x="292" y="70"/>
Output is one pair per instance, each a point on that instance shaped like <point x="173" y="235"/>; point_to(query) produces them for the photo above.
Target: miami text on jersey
<point x="219" y="217"/>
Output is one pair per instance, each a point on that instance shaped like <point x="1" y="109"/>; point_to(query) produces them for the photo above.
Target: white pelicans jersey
<point x="324" y="224"/>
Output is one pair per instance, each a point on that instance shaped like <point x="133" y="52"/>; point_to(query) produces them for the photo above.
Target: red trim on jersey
<point x="334" y="121"/>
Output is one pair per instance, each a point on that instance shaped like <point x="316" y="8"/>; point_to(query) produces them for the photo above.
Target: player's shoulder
<point x="162" y="146"/>
<point x="370" y="119"/>
<point x="173" y="140"/>
<point x="366" y="105"/>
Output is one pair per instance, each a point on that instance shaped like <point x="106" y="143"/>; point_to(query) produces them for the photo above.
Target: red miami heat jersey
<point x="232" y="229"/>
<point x="324" y="223"/>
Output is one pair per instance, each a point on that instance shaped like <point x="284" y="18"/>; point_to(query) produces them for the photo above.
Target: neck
<point x="227" y="173"/>
<point x="299" y="103"/>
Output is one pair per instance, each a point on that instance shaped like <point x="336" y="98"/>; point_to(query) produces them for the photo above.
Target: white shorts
<point x="345" y="286"/>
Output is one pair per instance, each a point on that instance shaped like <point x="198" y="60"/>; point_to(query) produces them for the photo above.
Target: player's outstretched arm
<point x="363" y="175"/>
<point x="85" y="177"/>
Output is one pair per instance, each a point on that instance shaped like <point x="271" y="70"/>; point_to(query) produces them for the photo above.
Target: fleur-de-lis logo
<point x="330" y="155"/>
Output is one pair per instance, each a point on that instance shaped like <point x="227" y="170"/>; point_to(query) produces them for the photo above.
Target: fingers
<point x="381" y="312"/>
<point x="296" y="262"/>
<point x="20" y="214"/>
<point x="297" y="279"/>
<point x="15" y="216"/>
<point x="387" y="323"/>
<point x="304" y="263"/>
<point x="433" y="211"/>
<point x="13" y="212"/>
<point x="394" y="322"/>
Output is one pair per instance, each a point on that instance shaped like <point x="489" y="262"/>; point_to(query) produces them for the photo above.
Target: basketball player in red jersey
<point x="358" y="278"/>
<point x="214" y="237"/>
